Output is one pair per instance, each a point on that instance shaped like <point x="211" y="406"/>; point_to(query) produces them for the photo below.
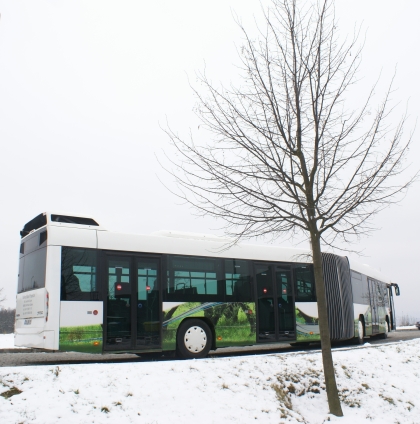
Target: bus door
<point x="275" y="303"/>
<point x="373" y="295"/>
<point x="132" y="310"/>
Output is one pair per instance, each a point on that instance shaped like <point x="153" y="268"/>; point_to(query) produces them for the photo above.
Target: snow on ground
<point x="7" y="341"/>
<point x="378" y="384"/>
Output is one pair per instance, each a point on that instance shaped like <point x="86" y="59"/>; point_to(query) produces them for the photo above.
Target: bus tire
<point x="385" y="334"/>
<point x="194" y="339"/>
<point x="361" y="330"/>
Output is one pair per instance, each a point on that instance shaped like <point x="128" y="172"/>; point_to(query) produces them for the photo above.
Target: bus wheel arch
<point x="194" y="338"/>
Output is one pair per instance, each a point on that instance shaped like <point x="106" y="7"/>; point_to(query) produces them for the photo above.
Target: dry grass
<point x="11" y="392"/>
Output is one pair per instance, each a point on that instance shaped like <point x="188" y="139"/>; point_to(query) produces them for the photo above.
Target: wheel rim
<point x="195" y="339"/>
<point x="360" y="327"/>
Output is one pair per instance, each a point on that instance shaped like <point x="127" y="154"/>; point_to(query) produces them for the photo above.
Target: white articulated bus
<point x="82" y="288"/>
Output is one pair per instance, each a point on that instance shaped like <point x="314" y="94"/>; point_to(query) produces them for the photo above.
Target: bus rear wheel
<point x="194" y="339"/>
<point x="361" y="333"/>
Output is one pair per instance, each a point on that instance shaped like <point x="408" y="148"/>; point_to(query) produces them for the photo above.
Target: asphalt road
<point x="21" y="357"/>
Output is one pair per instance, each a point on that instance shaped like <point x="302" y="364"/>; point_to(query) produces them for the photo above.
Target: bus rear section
<point x="31" y="320"/>
<point x="49" y="273"/>
<point x="32" y="328"/>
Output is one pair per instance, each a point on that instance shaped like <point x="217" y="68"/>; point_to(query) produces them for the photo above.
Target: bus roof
<point x="62" y="226"/>
<point x="46" y="218"/>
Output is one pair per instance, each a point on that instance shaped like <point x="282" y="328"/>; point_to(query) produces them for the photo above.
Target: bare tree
<point x="285" y="156"/>
<point x="7" y="321"/>
<point x="2" y="298"/>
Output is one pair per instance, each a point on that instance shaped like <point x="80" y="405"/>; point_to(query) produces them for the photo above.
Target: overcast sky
<point x="85" y="87"/>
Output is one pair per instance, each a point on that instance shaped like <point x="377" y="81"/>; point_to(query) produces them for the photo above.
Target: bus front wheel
<point x="384" y="335"/>
<point x="194" y="339"/>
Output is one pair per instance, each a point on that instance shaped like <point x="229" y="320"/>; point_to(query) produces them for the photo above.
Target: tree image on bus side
<point x="281" y="153"/>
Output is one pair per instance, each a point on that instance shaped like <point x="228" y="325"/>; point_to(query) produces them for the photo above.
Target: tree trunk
<point x="330" y="383"/>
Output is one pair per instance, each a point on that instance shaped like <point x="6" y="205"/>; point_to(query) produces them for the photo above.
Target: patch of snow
<point x="377" y="384"/>
<point x="7" y="341"/>
<point x="407" y="327"/>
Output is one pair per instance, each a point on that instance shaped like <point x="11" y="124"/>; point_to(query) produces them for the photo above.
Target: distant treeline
<point x="7" y="321"/>
<point x="406" y="320"/>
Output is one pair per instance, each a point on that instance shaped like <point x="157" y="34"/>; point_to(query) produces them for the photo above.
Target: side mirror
<point x="397" y="290"/>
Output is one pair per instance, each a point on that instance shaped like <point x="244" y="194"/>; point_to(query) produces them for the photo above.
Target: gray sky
<point x="85" y="86"/>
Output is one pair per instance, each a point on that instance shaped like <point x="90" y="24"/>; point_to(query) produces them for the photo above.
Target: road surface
<point x="17" y="358"/>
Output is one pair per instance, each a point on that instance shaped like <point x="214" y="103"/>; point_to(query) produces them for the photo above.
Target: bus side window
<point x="304" y="284"/>
<point x="238" y="281"/>
<point x="78" y="274"/>
<point x="192" y="279"/>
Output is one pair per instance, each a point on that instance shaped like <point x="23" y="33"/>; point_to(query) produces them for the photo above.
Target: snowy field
<point x="407" y="327"/>
<point x="7" y="341"/>
<point x="377" y="384"/>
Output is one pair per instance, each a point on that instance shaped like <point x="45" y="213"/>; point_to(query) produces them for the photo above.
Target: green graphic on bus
<point x="86" y="339"/>
<point x="234" y="323"/>
<point x="307" y="327"/>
